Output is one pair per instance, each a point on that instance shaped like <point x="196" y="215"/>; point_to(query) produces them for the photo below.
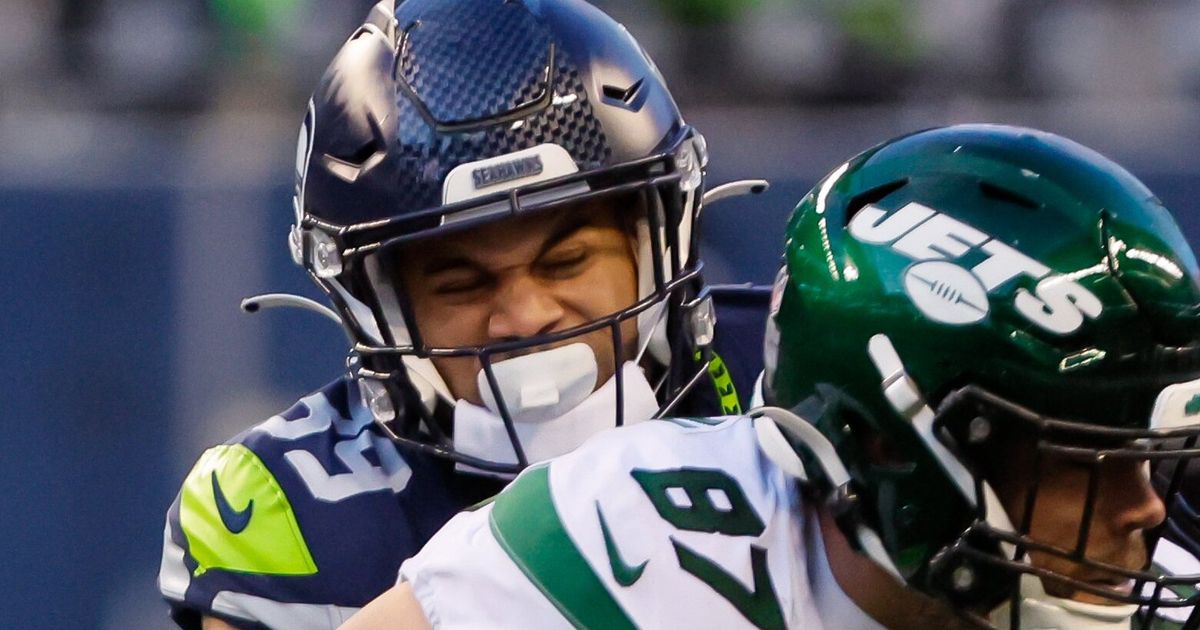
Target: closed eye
<point x="459" y="282"/>
<point x="564" y="264"/>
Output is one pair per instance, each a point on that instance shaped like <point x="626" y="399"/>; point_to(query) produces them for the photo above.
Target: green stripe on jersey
<point x="526" y="524"/>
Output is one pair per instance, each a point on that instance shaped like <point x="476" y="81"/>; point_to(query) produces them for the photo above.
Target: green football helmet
<point x="966" y="315"/>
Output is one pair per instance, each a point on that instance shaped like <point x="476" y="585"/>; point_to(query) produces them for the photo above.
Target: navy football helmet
<point x="439" y="116"/>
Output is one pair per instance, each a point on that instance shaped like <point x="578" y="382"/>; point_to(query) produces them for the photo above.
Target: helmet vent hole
<point x="625" y="97"/>
<point x="993" y="191"/>
<point x="863" y="199"/>
<point x="362" y="154"/>
<point x="350" y="167"/>
<point x="370" y="149"/>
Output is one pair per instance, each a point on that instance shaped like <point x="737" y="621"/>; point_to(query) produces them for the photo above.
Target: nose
<point x="523" y="307"/>
<point x="1135" y="504"/>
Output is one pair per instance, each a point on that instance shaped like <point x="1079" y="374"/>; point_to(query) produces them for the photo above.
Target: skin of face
<point x="1126" y="506"/>
<point x="529" y="275"/>
<point x="887" y="601"/>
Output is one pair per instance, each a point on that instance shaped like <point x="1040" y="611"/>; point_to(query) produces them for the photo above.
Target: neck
<point x="876" y="592"/>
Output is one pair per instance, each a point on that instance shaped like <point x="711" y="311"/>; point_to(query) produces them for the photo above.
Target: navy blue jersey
<point x="303" y="519"/>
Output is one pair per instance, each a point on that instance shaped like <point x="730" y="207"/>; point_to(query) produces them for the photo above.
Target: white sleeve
<point x="463" y="579"/>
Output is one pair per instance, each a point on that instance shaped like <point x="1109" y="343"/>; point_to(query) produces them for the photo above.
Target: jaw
<point x="878" y="593"/>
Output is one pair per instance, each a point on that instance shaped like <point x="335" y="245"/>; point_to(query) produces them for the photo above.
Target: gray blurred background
<point x="146" y="148"/>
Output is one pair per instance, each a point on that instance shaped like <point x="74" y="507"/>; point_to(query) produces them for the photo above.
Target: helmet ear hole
<point x="881" y="453"/>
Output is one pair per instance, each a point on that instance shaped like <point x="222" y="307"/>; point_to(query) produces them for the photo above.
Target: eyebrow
<point x="443" y="265"/>
<point x="456" y="262"/>
<point x="565" y="231"/>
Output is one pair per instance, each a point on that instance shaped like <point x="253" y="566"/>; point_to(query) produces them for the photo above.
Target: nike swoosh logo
<point x="624" y="573"/>
<point x="234" y="520"/>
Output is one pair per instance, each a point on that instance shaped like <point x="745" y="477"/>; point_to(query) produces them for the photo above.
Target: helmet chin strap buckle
<point x="377" y="399"/>
<point x="703" y="321"/>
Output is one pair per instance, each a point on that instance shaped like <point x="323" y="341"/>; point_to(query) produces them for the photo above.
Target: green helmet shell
<point x="1006" y="258"/>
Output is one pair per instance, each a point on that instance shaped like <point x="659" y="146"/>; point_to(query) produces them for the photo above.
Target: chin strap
<point x="770" y="423"/>
<point x="541" y="386"/>
<point x="480" y="433"/>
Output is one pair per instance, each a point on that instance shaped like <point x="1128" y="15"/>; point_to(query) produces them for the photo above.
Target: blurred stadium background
<point x="146" y="149"/>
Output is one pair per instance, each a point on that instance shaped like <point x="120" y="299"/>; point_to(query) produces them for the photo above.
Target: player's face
<point x="1126" y="506"/>
<point x="526" y="276"/>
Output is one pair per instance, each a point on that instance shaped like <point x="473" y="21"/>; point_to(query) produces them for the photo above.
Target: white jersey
<point x="638" y="528"/>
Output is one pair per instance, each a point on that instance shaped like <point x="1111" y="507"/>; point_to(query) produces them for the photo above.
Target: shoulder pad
<point x="236" y="516"/>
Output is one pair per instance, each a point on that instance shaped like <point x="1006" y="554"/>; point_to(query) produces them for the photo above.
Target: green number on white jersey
<point x="710" y="501"/>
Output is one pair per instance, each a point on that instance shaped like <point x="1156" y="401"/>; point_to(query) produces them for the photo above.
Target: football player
<point x="499" y="199"/>
<point x="983" y="366"/>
